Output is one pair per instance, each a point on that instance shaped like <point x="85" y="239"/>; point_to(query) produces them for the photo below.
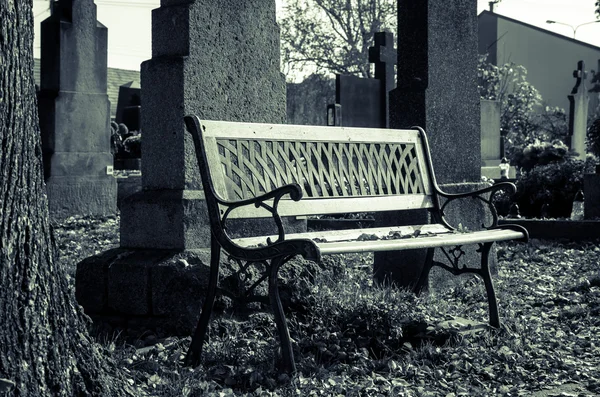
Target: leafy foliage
<point x="593" y="138"/>
<point x="333" y="36"/>
<point x="552" y="186"/>
<point x="540" y="153"/>
<point x="524" y="122"/>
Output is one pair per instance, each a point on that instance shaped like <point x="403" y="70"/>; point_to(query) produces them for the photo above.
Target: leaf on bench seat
<point x="319" y="240"/>
<point x="367" y="237"/>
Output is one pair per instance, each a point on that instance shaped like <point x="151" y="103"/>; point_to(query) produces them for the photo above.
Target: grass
<point x="354" y="338"/>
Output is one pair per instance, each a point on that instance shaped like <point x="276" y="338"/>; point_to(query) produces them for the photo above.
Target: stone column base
<point x="144" y="289"/>
<point x="81" y="195"/>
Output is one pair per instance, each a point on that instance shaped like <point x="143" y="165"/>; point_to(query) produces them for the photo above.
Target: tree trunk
<point x="44" y="346"/>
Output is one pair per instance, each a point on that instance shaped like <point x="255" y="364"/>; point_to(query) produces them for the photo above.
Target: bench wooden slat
<point x="349" y="234"/>
<point x="348" y="241"/>
<point x="294" y="133"/>
<point x="337" y="205"/>
<point x="426" y="241"/>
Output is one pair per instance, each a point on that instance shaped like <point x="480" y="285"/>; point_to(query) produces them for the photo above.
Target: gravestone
<point x="437" y="90"/>
<point x="129" y="105"/>
<point x="578" y="111"/>
<point x="219" y="60"/>
<point x="384" y="57"/>
<point x="306" y="100"/>
<point x="364" y="102"/>
<point x="74" y="112"/>
<point x="491" y="140"/>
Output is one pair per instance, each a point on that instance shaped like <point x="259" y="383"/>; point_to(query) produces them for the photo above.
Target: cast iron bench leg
<point x="489" y="285"/>
<point x="289" y="366"/>
<point x="194" y="353"/>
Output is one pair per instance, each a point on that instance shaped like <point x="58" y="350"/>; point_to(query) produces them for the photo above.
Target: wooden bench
<point x="264" y="170"/>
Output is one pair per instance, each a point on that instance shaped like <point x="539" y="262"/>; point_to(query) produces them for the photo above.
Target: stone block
<point x="65" y="164"/>
<point x="178" y="287"/>
<point x="437" y="83"/>
<point x="164" y="165"/>
<point x="127" y="186"/>
<point x="166" y="219"/>
<point x="591" y="188"/>
<point x="82" y="122"/>
<point x="91" y="281"/>
<point x="129" y="281"/>
<point x="81" y="195"/>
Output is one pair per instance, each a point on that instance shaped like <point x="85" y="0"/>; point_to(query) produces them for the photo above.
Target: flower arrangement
<point x="125" y="144"/>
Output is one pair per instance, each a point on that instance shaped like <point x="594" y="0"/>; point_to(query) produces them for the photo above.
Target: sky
<point x="129" y="23"/>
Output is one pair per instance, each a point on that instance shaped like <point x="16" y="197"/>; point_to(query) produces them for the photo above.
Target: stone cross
<point x="384" y="56"/>
<point x="578" y="111"/>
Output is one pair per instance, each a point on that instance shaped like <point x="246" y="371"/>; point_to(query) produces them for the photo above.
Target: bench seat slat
<point x="337" y="205"/>
<point x="427" y="241"/>
<point x="434" y="235"/>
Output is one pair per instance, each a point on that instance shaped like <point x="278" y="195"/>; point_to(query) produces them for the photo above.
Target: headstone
<point x="219" y="60"/>
<point x="578" y="111"/>
<point x="437" y="90"/>
<point x="491" y="139"/>
<point x="360" y="101"/>
<point x="129" y="105"/>
<point x="364" y="102"/>
<point x="306" y="100"/>
<point x="74" y="111"/>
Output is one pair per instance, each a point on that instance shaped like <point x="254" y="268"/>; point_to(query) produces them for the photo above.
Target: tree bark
<point x="44" y="345"/>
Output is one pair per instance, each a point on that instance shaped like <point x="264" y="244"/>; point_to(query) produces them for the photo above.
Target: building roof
<point x="115" y="79"/>
<point x="560" y="36"/>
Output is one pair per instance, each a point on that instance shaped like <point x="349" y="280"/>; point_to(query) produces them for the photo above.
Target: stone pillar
<point x="579" y="100"/>
<point x="437" y="90"/>
<point x="219" y="60"/>
<point x="75" y="111"/>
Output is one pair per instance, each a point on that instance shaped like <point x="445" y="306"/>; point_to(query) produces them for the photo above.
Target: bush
<point x="593" y="138"/>
<point x="552" y="185"/>
<point x="540" y="153"/>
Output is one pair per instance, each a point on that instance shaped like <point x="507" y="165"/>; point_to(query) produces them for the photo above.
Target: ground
<point x="353" y="338"/>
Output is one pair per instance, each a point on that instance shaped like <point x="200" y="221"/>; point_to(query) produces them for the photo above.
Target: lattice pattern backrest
<point x="323" y="169"/>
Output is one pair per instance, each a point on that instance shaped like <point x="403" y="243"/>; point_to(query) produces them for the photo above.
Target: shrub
<point x="553" y="185"/>
<point x="593" y="138"/>
<point x="540" y="153"/>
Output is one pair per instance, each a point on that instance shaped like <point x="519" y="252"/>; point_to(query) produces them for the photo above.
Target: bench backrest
<point x="340" y="169"/>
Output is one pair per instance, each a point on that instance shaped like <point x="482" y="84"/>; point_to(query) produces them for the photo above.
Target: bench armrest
<point x="293" y="189"/>
<point x="508" y="187"/>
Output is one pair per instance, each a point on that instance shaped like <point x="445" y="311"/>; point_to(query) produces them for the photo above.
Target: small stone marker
<point x="75" y="112"/>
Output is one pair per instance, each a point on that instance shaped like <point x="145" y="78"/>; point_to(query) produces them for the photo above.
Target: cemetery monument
<point x="74" y="112"/>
